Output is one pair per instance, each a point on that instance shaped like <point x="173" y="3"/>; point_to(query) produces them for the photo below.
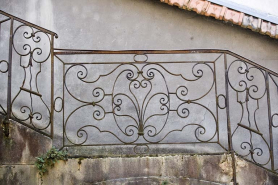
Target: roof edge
<point x="220" y="12"/>
<point x="245" y="9"/>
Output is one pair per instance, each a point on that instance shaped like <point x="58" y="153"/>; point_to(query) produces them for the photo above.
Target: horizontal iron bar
<point x="250" y="129"/>
<point x="143" y="144"/>
<point x="59" y="51"/>
<point x="32" y="92"/>
<point x="177" y="62"/>
<point x="29" y="24"/>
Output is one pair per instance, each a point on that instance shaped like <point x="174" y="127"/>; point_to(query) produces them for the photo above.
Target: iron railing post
<point x="270" y="119"/>
<point x="52" y="87"/>
<point x="9" y="90"/>
<point x="9" y="95"/>
<point x="230" y="141"/>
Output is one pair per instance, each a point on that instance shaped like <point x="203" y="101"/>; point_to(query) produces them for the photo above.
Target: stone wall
<point x="177" y="169"/>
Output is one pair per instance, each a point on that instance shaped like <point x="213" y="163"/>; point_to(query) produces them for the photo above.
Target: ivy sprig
<point x="48" y="160"/>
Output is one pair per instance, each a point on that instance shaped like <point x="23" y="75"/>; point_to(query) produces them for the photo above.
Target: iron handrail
<point x="60" y="51"/>
<point x="28" y="23"/>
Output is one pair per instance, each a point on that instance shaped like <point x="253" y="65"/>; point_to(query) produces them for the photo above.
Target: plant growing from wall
<point x="165" y="182"/>
<point x="48" y="160"/>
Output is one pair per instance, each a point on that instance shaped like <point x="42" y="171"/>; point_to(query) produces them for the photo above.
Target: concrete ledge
<point x="106" y="169"/>
<point x="158" y="180"/>
<point x="178" y="169"/>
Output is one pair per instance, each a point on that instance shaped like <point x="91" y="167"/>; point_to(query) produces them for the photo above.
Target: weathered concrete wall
<point x="22" y="146"/>
<point x="179" y="169"/>
<point x="18" y="174"/>
<point x="18" y="153"/>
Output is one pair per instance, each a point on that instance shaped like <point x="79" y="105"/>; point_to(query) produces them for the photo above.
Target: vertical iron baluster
<point x="9" y="90"/>
<point x="52" y="87"/>
<point x="10" y="71"/>
<point x="216" y="93"/>
<point x="63" y="105"/>
<point x="270" y="119"/>
<point x="230" y="142"/>
<point x="8" y="116"/>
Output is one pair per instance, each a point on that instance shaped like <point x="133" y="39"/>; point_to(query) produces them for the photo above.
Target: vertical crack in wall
<point x="204" y="117"/>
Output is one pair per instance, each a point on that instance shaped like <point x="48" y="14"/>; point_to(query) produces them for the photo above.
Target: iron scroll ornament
<point x="33" y="51"/>
<point x="249" y="90"/>
<point x="131" y="103"/>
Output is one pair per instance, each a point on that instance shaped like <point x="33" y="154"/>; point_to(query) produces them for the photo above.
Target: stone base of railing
<point x="177" y="169"/>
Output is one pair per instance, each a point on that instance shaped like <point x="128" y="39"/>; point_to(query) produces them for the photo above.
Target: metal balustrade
<point x="139" y="98"/>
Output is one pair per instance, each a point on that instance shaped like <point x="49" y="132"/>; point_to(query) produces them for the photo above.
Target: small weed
<point x="44" y="162"/>
<point x="165" y="182"/>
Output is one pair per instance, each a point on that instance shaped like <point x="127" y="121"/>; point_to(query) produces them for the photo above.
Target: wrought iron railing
<point x="30" y="48"/>
<point x="142" y="98"/>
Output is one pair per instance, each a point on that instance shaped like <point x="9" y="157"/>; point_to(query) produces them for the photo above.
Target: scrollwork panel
<point x="149" y="104"/>
<point x="31" y="86"/>
<point x="273" y="94"/>
<point x="249" y="110"/>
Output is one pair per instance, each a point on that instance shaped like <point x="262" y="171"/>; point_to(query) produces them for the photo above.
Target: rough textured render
<point x="22" y="146"/>
<point x="178" y="169"/>
<point x="220" y="12"/>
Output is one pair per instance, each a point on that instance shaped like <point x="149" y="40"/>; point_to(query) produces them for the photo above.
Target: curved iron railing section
<point x="31" y="50"/>
<point x="229" y="102"/>
<point x="250" y="92"/>
<point x="142" y="95"/>
<point x="27" y="112"/>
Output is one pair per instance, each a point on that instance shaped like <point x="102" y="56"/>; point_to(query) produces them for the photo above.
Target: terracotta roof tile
<point x="179" y="3"/>
<point x="233" y="16"/>
<point x="215" y="10"/>
<point x="251" y="22"/>
<point x="198" y="6"/>
<point x="220" y="12"/>
<point x="268" y="28"/>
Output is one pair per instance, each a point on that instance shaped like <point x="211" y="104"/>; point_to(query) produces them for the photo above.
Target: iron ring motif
<point x="217" y="100"/>
<point x="4" y="61"/>
<point x="140" y="61"/>
<point x="272" y="117"/>
<point x="62" y="106"/>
